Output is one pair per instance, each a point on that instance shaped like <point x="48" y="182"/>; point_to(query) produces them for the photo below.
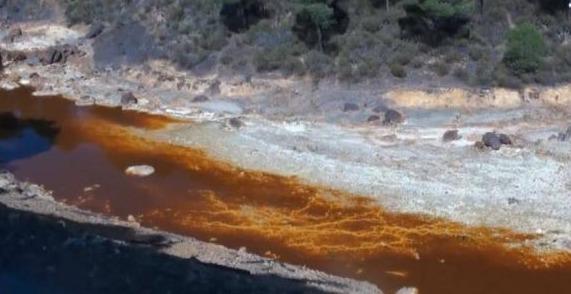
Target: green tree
<point x="320" y="14"/>
<point x="525" y="49"/>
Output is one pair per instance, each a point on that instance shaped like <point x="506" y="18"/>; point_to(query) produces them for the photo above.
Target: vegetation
<point x="525" y="49"/>
<point x="482" y="43"/>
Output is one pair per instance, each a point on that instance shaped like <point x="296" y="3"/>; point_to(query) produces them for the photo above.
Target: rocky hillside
<point x="480" y="43"/>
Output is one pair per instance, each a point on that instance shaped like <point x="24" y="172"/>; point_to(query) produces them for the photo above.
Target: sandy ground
<point x="298" y="128"/>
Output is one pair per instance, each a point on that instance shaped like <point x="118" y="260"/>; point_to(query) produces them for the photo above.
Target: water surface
<point x="80" y="153"/>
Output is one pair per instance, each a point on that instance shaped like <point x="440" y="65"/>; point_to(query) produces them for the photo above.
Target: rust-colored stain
<point x="275" y="216"/>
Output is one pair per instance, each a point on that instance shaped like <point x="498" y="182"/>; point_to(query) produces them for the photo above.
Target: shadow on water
<point x="24" y="138"/>
<point x="279" y="217"/>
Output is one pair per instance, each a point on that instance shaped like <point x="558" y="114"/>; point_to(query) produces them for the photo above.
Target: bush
<point x="397" y="70"/>
<point x="440" y="68"/>
<point x="525" y="49"/>
<point x="318" y="64"/>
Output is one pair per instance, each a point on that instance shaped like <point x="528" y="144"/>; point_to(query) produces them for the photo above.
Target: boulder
<point x="451" y="135"/>
<point x="140" y="170"/>
<point x="393" y="117"/>
<point x="350" y="107"/>
<point x="235" y="123"/>
<point x="492" y="140"/>
<point x="373" y="118"/>
<point x="128" y="99"/>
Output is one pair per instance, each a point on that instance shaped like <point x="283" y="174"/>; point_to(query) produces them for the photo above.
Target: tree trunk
<point x="481" y="7"/>
<point x="387" y="4"/>
<point x="319" y="37"/>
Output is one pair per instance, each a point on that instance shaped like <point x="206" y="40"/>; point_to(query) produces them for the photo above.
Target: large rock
<point x="495" y="141"/>
<point x="393" y="117"/>
<point x="140" y="170"/>
<point x="492" y="140"/>
<point x="129" y="98"/>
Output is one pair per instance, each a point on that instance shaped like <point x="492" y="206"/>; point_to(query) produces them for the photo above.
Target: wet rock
<point x="350" y="107"/>
<point x="128" y="99"/>
<point x="94" y="31"/>
<point x="235" y="123"/>
<point x="373" y="118"/>
<point x="200" y="98"/>
<point x="14" y="34"/>
<point x="393" y="117"/>
<point x="451" y="135"/>
<point x="140" y="170"/>
<point x="492" y="140"/>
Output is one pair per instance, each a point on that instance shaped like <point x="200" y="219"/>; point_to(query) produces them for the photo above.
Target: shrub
<point x="525" y="49"/>
<point x="440" y="68"/>
<point x="397" y="70"/>
<point x="318" y="64"/>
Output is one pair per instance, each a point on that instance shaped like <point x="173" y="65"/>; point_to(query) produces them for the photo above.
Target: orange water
<point x="274" y="216"/>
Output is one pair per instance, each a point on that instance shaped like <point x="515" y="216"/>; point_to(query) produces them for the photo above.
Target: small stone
<point x="373" y="118"/>
<point x="131" y="219"/>
<point x="235" y="123"/>
<point x="512" y="201"/>
<point x="200" y="98"/>
<point x="140" y="170"/>
<point x="451" y="135"/>
<point x="393" y="117"/>
<point x="128" y="98"/>
<point x="350" y="107"/>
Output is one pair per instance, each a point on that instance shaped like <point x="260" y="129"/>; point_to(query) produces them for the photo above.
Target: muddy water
<point x="81" y="154"/>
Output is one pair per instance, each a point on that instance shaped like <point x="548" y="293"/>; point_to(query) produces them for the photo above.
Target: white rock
<point x="408" y="290"/>
<point x="140" y="170"/>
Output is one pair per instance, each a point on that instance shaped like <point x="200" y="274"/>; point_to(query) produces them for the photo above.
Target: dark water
<point x="80" y="153"/>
